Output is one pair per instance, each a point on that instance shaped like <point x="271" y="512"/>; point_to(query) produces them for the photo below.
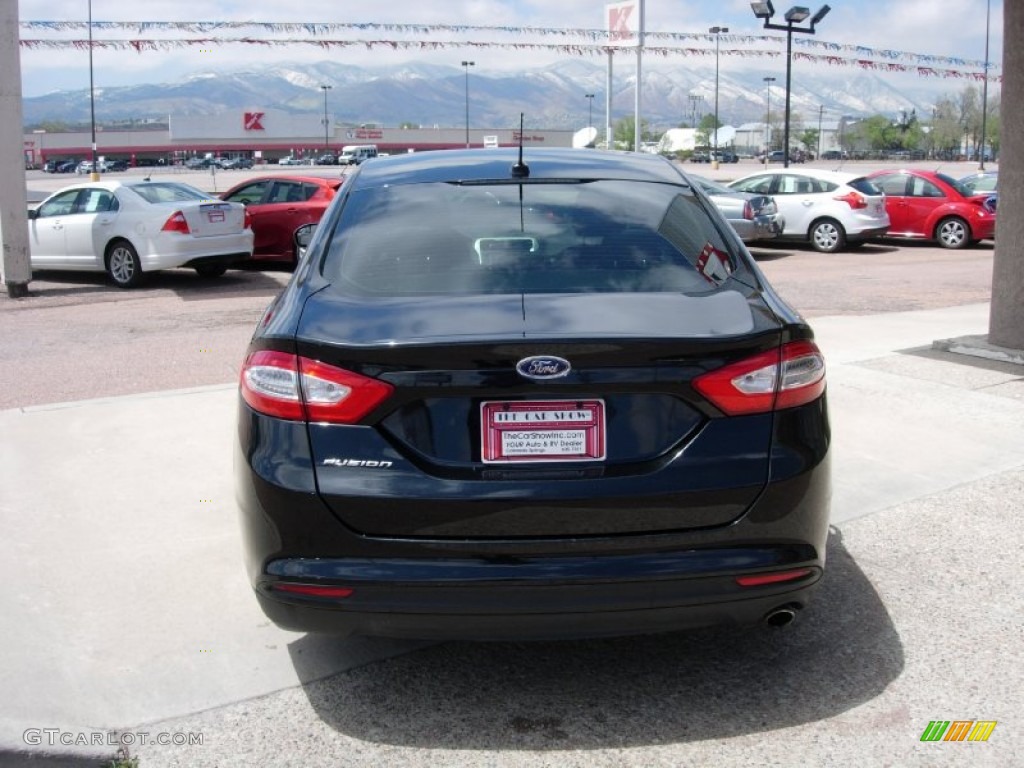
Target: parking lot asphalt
<point x="126" y="606"/>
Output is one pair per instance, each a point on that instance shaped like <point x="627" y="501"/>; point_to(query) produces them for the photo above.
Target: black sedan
<point x="533" y="397"/>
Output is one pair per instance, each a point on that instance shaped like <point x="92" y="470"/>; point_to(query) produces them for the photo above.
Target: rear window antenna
<point x="520" y="170"/>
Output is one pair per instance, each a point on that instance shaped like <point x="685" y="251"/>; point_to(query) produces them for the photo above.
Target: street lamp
<point x="467" y="65"/>
<point x="94" y="174"/>
<point x="795" y="15"/>
<point x="717" y="32"/>
<point x="984" y="90"/>
<point x="768" y="119"/>
<point x="327" y="141"/>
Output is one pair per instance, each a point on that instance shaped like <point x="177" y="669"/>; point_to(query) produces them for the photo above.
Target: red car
<point x="279" y="207"/>
<point x="934" y="206"/>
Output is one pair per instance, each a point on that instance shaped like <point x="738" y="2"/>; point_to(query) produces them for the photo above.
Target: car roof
<point x="495" y="164"/>
<point x="293" y="177"/>
<point x="839" y="177"/>
<point x="931" y="175"/>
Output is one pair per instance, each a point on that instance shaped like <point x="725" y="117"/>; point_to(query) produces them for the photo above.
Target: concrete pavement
<point x="126" y="607"/>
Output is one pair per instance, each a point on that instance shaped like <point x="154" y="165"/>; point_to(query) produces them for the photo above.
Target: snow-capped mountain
<point x="550" y="97"/>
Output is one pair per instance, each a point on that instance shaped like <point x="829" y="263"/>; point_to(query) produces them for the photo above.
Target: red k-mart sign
<point x="624" y="22"/>
<point x="254" y="121"/>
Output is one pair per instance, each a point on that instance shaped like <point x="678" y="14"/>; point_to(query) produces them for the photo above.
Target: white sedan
<point x="829" y="209"/>
<point x="128" y="228"/>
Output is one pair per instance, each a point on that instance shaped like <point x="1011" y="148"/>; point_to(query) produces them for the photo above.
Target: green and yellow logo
<point x="958" y="730"/>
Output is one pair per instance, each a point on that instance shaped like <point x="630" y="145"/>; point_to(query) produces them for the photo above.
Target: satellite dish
<point x="584" y="137"/>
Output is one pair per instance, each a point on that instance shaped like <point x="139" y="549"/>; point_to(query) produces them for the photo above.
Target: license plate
<point x="542" y="430"/>
<point x="214" y="213"/>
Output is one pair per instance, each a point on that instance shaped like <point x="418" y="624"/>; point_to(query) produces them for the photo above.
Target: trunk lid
<point x="661" y="458"/>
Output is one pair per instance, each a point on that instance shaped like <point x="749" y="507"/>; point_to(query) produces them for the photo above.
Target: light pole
<point x="467" y="65"/>
<point x="984" y="90"/>
<point x="763" y="9"/>
<point x="717" y="32"/>
<point x="821" y="114"/>
<point x="768" y="119"/>
<point x="327" y="141"/>
<point x="94" y="175"/>
<point x="590" y="109"/>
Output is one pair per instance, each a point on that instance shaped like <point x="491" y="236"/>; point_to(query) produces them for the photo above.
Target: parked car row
<point x="225" y="163"/>
<point x="833" y="210"/>
<point x="722" y="156"/>
<point x="129" y="228"/>
<point x="77" y="227"/>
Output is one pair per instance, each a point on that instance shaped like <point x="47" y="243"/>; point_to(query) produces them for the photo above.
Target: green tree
<point x="625" y="132"/>
<point x="945" y="134"/>
<point x="809" y="138"/>
<point x="707" y="126"/>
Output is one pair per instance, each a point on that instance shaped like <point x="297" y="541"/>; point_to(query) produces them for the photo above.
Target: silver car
<point x="753" y="216"/>
<point x="829" y="209"/>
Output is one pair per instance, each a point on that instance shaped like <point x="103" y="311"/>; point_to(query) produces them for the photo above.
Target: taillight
<point x="775" y="577"/>
<point x="786" y="378"/>
<point x="299" y="389"/>
<point x="313" y="590"/>
<point x="176" y="223"/>
<point x="247" y="220"/>
<point x="854" y="199"/>
<point x="748" y="210"/>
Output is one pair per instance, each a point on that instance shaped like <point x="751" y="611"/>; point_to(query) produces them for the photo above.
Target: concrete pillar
<point x="1006" y="321"/>
<point x="13" y="205"/>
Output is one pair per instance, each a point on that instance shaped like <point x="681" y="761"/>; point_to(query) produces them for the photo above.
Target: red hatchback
<point x="934" y="206"/>
<point x="280" y="206"/>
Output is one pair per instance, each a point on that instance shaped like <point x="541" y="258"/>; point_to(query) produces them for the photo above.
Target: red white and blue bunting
<point x="590" y="42"/>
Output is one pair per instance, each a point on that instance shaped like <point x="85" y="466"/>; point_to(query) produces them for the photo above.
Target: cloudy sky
<point x="954" y="28"/>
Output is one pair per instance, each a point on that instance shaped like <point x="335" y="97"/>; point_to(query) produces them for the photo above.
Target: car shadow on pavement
<point x="95" y="287"/>
<point x="626" y="692"/>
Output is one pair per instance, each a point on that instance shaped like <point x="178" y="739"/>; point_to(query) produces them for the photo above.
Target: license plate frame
<point x="542" y="431"/>
<point x="216" y="213"/>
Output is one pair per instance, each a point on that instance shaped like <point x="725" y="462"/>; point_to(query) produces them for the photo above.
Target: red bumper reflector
<point x="772" y="578"/>
<point x="313" y="590"/>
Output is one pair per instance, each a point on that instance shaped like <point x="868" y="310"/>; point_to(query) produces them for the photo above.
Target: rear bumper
<point x="867" y="234"/>
<point x="423" y="605"/>
<point x="172" y="252"/>
<point x="433" y="587"/>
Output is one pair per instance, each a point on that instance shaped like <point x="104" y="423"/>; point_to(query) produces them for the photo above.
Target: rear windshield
<point x="534" y="237"/>
<point x="864" y="186"/>
<point x="168" y="192"/>
<point x="959" y="186"/>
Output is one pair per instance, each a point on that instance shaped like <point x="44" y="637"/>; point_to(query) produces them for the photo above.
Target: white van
<point x="354" y="154"/>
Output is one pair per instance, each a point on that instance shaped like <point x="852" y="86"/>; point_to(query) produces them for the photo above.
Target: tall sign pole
<point x="625" y="24"/>
<point x="609" y="129"/>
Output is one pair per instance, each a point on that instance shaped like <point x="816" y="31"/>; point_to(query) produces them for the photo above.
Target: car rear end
<point x="496" y="406"/>
<point x="862" y="205"/>
<point x="179" y="225"/>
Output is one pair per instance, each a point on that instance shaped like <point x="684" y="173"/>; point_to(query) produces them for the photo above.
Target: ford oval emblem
<point x="543" y="367"/>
